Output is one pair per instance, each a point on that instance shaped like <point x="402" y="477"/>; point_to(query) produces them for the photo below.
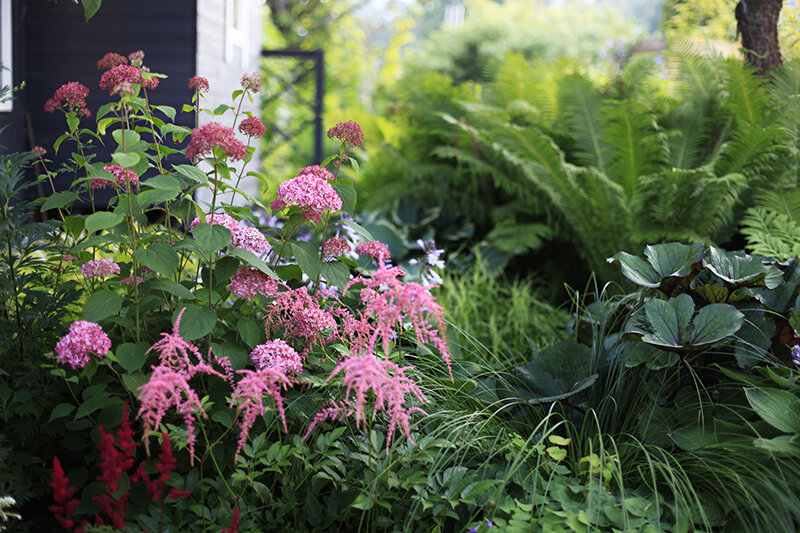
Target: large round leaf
<point x="196" y="321"/>
<point x="559" y="372"/>
<point x="102" y="304"/>
<point x="737" y="268"/>
<point x="159" y="257"/>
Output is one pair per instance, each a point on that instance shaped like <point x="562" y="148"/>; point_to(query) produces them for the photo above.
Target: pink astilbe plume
<point x="174" y="352"/>
<point x="390" y="385"/>
<point x="248" y="397"/>
<point x="299" y="315"/>
<point x="330" y="411"/>
<point x="167" y="388"/>
<point x="387" y="303"/>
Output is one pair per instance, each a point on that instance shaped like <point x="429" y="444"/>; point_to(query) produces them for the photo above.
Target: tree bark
<point x="757" y="20"/>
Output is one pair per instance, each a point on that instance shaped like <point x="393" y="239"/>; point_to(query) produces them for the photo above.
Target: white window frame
<point x="6" y="52"/>
<point x="237" y="36"/>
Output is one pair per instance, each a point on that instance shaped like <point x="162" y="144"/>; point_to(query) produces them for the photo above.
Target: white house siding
<point x="224" y="76"/>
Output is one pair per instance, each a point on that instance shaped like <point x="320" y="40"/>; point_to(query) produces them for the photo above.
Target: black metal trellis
<point x="297" y="76"/>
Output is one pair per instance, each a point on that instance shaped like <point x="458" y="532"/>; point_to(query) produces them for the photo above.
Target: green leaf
<point x="252" y="259"/>
<point x="155" y="196"/>
<point x="558" y="440"/>
<point x="102" y="220"/>
<point x="559" y="372"/>
<point x="734" y="267"/>
<point x="172" y="287"/>
<point x="92" y="404"/>
<point x="129" y="136"/>
<point x="211" y="237"/>
<point x="74" y="225"/>
<point x="164" y="183"/>
<point x="354" y="164"/>
<point x="779" y="408"/>
<point x="90" y="8"/>
<point x="132" y="356"/>
<point x="168" y="111"/>
<point x="336" y="273"/>
<point x="348" y="196"/>
<point x="102" y="304"/>
<point x="389" y="235"/>
<point x="359" y="229"/>
<point x="669" y="320"/>
<point x="307" y="256"/>
<point x="556" y="453"/>
<point x="252" y="334"/>
<point x="782" y="445"/>
<point x="103" y="124"/>
<point x="60" y="411"/>
<point x="636" y="269"/>
<point x="59" y="199"/>
<point x="124" y="159"/>
<point x="159" y="257"/>
<point x="674" y="259"/>
<point x="72" y="122"/>
<point x="193" y="173"/>
<point x="196" y="321"/>
<point x="714" y="322"/>
<point x="133" y="381"/>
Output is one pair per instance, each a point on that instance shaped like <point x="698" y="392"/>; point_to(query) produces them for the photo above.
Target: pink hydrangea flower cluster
<point x="199" y="84"/>
<point x="136" y="58"/>
<point x="248" y="281"/>
<point x="212" y="135"/>
<point x="311" y="192"/>
<point x="111" y="60"/>
<point x="130" y="280"/>
<point x="336" y="247"/>
<point x="251" y="82"/>
<point x="73" y="96"/>
<point x="376" y="249"/>
<point x="300" y="315"/>
<point x="390" y="385"/>
<point x="84" y="339"/>
<point x="277" y="354"/>
<point x="252" y="127"/>
<point x="242" y="236"/>
<point x="121" y="176"/>
<point x="248" y="397"/>
<point x="120" y="80"/>
<point x="348" y="132"/>
<point x="99" y="268"/>
<point x="388" y="302"/>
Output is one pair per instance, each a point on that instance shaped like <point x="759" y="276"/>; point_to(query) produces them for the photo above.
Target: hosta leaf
<point x="779" y="408"/>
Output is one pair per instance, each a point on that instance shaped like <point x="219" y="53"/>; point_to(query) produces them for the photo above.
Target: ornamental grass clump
<point x="224" y="336"/>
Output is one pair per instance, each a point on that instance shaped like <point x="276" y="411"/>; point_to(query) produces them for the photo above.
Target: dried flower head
<point x="277" y="354"/>
<point x="39" y="151"/>
<point x="71" y="96"/>
<point x="199" y="84"/>
<point x="84" y="339"/>
<point x="252" y="127"/>
<point x="251" y="82"/>
<point x="248" y="281"/>
<point x="212" y="135"/>
<point x="347" y="132"/>
<point x="136" y="58"/>
<point x="99" y="268"/>
<point x="111" y="60"/>
<point x="310" y="193"/>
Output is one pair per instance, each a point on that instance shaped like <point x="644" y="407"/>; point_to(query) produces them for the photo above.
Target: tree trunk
<point x="758" y="23"/>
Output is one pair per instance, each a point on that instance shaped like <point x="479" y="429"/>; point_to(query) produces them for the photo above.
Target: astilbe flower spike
<point x="248" y="397"/>
<point x="212" y="135"/>
<point x="300" y="315"/>
<point x="166" y="465"/>
<point x="174" y="352"/>
<point x="113" y="465"/>
<point x="84" y="339"/>
<point x="234" y="527"/>
<point x="309" y="191"/>
<point x="167" y="388"/>
<point x="390" y="385"/>
<point x="348" y="132"/>
<point x="387" y="302"/>
<point x="65" y="504"/>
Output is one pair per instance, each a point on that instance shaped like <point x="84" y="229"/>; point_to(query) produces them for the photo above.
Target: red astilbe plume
<point x="249" y="394"/>
<point x="165" y="466"/>
<point x="234" y="527"/>
<point x="65" y="504"/>
<point x="387" y="302"/>
<point x="167" y="388"/>
<point x="390" y="385"/>
<point x="113" y="465"/>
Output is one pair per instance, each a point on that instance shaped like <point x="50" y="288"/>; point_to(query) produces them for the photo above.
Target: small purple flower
<point x="475" y="529"/>
<point x="796" y="355"/>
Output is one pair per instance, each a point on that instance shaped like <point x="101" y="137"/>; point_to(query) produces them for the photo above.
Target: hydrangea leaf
<point x="102" y="220"/>
<point x="196" y="322"/>
<point x="779" y="408"/>
<point x="211" y="237"/>
<point x="159" y="257"/>
<point x="102" y="304"/>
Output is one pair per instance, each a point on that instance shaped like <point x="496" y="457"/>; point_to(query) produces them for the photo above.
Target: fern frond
<point x="771" y="233"/>
<point x="580" y="105"/>
<point x="633" y="144"/>
<point x="746" y="97"/>
<point x="686" y="134"/>
<point x="752" y="151"/>
<point x="784" y="202"/>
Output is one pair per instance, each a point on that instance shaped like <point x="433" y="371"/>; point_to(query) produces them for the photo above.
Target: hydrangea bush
<point x="217" y="322"/>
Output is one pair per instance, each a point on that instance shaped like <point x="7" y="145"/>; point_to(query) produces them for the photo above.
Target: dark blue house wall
<point x="60" y="46"/>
